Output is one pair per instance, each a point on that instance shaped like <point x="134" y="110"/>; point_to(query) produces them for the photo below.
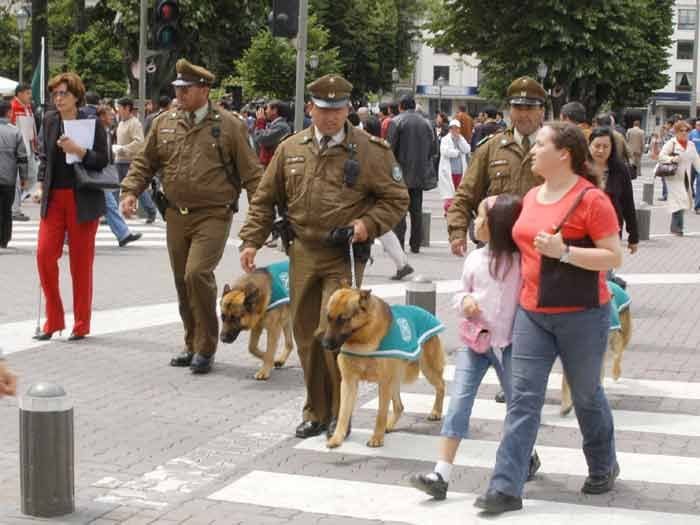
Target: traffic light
<point x="166" y="24"/>
<point x="284" y="18"/>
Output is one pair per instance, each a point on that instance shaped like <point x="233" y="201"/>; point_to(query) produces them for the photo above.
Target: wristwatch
<point x="566" y="255"/>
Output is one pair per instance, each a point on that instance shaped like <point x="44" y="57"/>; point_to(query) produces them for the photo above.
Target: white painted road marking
<point x="632" y="421"/>
<point x="624" y="386"/>
<point x="16" y="336"/>
<point x="650" y="468"/>
<point x="375" y="501"/>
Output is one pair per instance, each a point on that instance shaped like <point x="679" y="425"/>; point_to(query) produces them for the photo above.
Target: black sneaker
<point x="535" y="465"/>
<point x="402" y="272"/>
<point x="19" y="216"/>
<point x="151" y="219"/>
<point x="494" y="502"/>
<point x="437" y="488"/>
<point x="130" y="238"/>
<point x="601" y="484"/>
<point x="500" y="397"/>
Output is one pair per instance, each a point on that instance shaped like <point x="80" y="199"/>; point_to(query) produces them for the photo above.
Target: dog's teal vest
<point x="619" y="301"/>
<point x="410" y="328"/>
<point x="280" y="284"/>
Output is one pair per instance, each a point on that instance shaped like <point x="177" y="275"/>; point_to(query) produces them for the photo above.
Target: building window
<point x="686" y="18"/>
<point x="683" y="82"/>
<point x="440" y="51"/>
<point x="441" y="71"/>
<point x="684" y="50"/>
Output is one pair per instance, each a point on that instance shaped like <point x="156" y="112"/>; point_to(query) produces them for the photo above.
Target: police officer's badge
<point x="396" y="173"/>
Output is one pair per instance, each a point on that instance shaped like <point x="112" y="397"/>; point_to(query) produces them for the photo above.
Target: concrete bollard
<point x="425" y="230"/>
<point x="648" y="193"/>
<point x="421" y="291"/>
<point x="643" y="222"/>
<point x="47" y="475"/>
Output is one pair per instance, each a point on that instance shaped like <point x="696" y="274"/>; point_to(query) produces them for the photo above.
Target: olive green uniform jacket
<point x="498" y="166"/>
<point x="311" y="184"/>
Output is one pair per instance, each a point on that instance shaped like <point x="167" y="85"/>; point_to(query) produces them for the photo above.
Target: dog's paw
<point x="262" y="375"/>
<point x="375" y="442"/>
<point x="279" y="364"/>
<point x="334" y="442"/>
<point x="434" y="416"/>
<point x="565" y="411"/>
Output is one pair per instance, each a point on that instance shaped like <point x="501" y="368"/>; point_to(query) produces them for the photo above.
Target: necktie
<point x="526" y="144"/>
<point x="193" y="116"/>
<point x="324" y="142"/>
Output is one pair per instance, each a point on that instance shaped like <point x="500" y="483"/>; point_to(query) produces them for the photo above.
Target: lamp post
<point x="415" y="50"/>
<point x="22" y="16"/>
<point x="394" y="80"/>
<point x="542" y="70"/>
<point x="441" y="84"/>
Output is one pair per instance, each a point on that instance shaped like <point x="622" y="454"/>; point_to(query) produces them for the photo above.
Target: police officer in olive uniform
<point x="501" y="165"/>
<point x="331" y="175"/>
<point x="204" y="158"/>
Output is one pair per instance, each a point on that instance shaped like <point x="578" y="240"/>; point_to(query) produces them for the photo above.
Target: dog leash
<point x="352" y="264"/>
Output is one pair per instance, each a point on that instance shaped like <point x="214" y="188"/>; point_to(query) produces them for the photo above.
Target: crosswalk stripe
<point x="648" y="468"/>
<point x="144" y="242"/>
<point x="100" y="235"/>
<point x="624" y="386"/>
<point x="632" y="421"/>
<point x="375" y="501"/>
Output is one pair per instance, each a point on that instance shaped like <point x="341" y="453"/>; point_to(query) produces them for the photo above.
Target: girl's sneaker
<point x="432" y="484"/>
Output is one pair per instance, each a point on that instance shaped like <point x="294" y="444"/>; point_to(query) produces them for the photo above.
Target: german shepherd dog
<point x="244" y="307"/>
<point x="358" y="321"/>
<point x="618" y="341"/>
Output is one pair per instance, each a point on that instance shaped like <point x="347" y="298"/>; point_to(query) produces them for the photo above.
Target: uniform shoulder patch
<point x="379" y="141"/>
<point x="396" y="173"/>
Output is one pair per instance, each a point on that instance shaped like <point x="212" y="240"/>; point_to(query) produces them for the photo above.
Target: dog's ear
<point x="364" y="298"/>
<point x="227" y="289"/>
<point x="252" y="296"/>
<point x="344" y="283"/>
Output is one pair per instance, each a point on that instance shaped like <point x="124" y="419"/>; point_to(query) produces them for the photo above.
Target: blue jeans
<point x="664" y="188"/>
<point x="579" y="339"/>
<point x="696" y="184"/>
<point x="470" y="369"/>
<point x="677" y="221"/>
<point x="114" y="218"/>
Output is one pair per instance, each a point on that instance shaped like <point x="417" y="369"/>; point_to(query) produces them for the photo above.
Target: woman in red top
<point x="568" y="238"/>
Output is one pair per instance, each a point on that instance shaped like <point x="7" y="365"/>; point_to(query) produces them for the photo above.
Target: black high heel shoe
<point x="42" y="336"/>
<point x="76" y="337"/>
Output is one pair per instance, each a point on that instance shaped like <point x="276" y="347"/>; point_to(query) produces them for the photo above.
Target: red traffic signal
<point x="166" y="24"/>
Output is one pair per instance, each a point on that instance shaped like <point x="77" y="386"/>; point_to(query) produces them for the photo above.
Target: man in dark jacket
<point x="271" y="128"/>
<point x="412" y="140"/>
<point x="487" y="129"/>
<point x="13" y="157"/>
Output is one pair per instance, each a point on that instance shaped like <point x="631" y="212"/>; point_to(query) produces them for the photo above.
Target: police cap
<point x="191" y="75"/>
<point x="330" y="91"/>
<point x="526" y="91"/>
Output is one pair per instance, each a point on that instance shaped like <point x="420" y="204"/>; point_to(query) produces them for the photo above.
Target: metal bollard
<point x="425" y="230"/>
<point x="46" y="451"/>
<point x="421" y="291"/>
<point x="648" y="193"/>
<point x="643" y="222"/>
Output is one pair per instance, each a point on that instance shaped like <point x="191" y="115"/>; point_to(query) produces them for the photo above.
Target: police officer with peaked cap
<point x="503" y="163"/>
<point x="330" y="175"/>
<point x="204" y="159"/>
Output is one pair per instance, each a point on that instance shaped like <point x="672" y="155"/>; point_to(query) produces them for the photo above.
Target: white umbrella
<point x="7" y="86"/>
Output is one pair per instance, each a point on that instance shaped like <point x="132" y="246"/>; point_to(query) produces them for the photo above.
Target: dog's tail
<point x="626" y="322"/>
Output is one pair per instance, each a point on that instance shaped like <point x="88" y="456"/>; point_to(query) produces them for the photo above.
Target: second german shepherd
<point x="245" y="306"/>
<point x="358" y="321"/>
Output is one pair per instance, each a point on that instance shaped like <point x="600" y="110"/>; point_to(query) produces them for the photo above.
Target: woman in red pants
<point x="67" y="210"/>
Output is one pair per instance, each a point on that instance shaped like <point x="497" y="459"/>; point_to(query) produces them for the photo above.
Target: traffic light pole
<point x="301" y="66"/>
<point x="143" y="26"/>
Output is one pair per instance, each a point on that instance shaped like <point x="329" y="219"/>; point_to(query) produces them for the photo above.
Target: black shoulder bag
<point x="564" y="285"/>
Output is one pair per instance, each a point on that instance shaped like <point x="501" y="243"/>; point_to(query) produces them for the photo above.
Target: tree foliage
<point x="268" y="67"/>
<point x="372" y="36"/>
<point x="615" y="51"/>
<point x="99" y="62"/>
<point x="9" y="43"/>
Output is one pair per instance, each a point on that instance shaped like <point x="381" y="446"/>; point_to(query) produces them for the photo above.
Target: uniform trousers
<point x="316" y="271"/>
<point x="7" y="196"/>
<point x="61" y="218"/>
<point x="196" y="243"/>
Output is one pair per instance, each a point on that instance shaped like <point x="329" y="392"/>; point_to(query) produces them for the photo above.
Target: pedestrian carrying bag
<point x="668" y="168"/>
<point x="475" y="335"/>
<point x="564" y="285"/>
<point x="106" y="179"/>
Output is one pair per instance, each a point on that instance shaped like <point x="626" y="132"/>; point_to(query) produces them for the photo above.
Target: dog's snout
<point x="329" y="343"/>
<point x="229" y="337"/>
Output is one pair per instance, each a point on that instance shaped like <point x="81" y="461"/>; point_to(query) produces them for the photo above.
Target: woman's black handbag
<point x="106" y="179"/>
<point x="665" y="169"/>
<point x="564" y="285"/>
